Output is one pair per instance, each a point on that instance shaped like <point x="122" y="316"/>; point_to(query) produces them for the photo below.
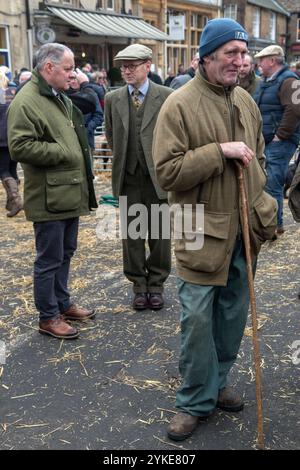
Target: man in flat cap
<point x="281" y="120"/>
<point x="202" y="130"/>
<point x="130" y="117"/>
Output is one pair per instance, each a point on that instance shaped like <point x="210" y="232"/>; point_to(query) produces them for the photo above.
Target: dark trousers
<point x="147" y="272"/>
<point x="56" y="242"/>
<point x="7" y="166"/>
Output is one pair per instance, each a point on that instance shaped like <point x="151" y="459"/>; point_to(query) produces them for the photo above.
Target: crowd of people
<point x="180" y="144"/>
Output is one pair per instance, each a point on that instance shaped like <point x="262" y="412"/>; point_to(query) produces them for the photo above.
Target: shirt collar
<point x="143" y="88"/>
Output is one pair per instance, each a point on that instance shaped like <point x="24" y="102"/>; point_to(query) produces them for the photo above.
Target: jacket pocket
<point x="211" y="256"/>
<point x="63" y="190"/>
<point x="263" y="220"/>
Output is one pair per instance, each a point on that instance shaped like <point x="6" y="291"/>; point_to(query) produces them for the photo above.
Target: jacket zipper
<point x="231" y="114"/>
<point x="69" y="116"/>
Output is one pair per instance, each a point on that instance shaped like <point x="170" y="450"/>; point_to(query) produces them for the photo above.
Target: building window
<point x="108" y="4"/>
<point x="196" y="29"/>
<point x="230" y="11"/>
<point x="176" y="27"/>
<point x="256" y="23"/>
<point x="298" y="29"/>
<point x="4" y="47"/>
<point x="272" y="32"/>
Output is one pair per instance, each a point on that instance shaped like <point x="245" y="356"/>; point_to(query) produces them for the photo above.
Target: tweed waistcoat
<point x="135" y="153"/>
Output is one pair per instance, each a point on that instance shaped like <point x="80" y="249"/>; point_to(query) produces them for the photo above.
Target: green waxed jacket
<point x="46" y="134"/>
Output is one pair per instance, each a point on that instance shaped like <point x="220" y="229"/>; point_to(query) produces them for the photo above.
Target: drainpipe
<point x="29" y="33"/>
<point x="164" y="24"/>
<point x="287" y="37"/>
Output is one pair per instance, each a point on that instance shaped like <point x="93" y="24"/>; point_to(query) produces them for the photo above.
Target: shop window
<point x="230" y="11"/>
<point x="4" y="47"/>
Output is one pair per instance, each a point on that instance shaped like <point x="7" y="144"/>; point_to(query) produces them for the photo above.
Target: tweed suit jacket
<point x="117" y="131"/>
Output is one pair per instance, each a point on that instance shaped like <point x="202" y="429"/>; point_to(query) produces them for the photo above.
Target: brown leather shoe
<point x="77" y="314"/>
<point x="156" y="301"/>
<point x="280" y="230"/>
<point x="58" y="328"/>
<point x="140" y="301"/>
<point x="182" y="426"/>
<point x="228" y="400"/>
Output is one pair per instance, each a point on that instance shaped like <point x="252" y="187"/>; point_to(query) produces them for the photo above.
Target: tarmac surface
<point x="114" y="387"/>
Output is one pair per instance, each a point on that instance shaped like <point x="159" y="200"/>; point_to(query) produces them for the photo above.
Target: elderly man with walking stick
<point x="202" y="130"/>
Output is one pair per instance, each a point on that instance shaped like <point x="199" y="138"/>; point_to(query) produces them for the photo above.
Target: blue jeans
<point x="56" y="242"/>
<point x="212" y="325"/>
<point x="278" y="155"/>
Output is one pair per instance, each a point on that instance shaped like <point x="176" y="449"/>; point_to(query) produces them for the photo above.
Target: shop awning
<point x="104" y="24"/>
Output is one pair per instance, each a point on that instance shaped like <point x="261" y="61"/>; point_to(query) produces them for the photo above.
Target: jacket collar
<point x="276" y="74"/>
<point x="44" y="88"/>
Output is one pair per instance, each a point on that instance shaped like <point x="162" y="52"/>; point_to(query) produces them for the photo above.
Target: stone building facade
<point x="265" y="20"/>
<point x="293" y="36"/>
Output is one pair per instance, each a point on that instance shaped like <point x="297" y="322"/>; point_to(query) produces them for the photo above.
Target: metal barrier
<point x="102" y="155"/>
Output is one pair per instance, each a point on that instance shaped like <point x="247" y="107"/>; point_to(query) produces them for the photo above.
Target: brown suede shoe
<point x="182" y="426"/>
<point x="77" y="314"/>
<point x="58" y="328"/>
<point x="228" y="400"/>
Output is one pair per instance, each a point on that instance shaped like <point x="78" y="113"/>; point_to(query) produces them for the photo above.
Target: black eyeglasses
<point x="131" y="67"/>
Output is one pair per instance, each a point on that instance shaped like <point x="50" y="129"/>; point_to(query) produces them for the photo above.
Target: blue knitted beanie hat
<point x="219" y="31"/>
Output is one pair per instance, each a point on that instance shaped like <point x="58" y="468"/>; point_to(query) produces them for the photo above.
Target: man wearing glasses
<point x="130" y="117"/>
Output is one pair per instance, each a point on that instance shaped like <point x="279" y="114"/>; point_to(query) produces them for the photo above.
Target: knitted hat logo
<point x="240" y="36"/>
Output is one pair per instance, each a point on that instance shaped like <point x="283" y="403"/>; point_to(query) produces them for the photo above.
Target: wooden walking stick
<point x="256" y="353"/>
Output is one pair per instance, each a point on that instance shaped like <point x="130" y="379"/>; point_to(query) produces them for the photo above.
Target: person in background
<point x="8" y="167"/>
<point x="247" y="77"/>
<point x="105" y="79"/>
<point x="181" y="70"/>
<point x="87" y="69"/>
<point x="8" y="74"/>
<point x="170" y="77"/>
<point x="46" y="134"/>
<point x="99" y="79"/>
<point x="81" y="90"/>
<point x="24" y="76"/>
<point x="297" y="69"/>
<point x="154" y="77"/>
<point x="281" y="121"/>
<point x="202" y="131"/>
<point x="130" y="117"/>
<point x="182" y="79"/>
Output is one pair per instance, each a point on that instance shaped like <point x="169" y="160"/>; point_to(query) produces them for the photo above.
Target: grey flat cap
<point x="134" y="52"/>
<point x="270" y="50"/>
